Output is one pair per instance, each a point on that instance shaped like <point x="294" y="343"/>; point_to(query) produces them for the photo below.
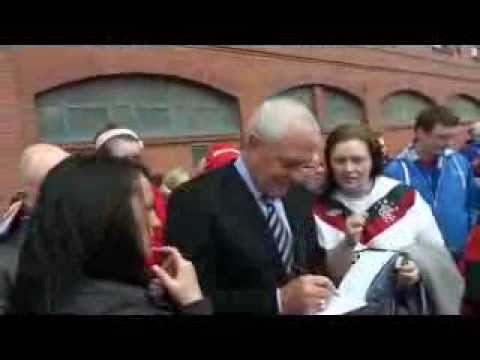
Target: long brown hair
<point x="347" y="132"/>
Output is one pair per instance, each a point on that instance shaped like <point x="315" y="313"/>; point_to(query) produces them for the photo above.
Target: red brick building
<point x="183" y="98"/>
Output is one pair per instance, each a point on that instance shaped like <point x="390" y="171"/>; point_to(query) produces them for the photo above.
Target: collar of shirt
<point x="242" y="169"/>
<point x="411" y="154"/>
<point x="245" y="174"/>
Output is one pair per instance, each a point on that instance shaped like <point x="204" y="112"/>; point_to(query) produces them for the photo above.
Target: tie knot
<point x="268" y="201"/>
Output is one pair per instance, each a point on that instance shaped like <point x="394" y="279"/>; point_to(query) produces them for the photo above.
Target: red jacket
<point x="470" y="268"/>
<point x="158" y="235"/>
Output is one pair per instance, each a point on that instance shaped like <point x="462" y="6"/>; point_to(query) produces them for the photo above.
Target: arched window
<point x="341" y="108"/>
<point x="303" y="94"/>
<point x="403" y="107"/>
<point x="466" y="108"/>
<point x="336" y="106"/>
<point x="154" y="106"/>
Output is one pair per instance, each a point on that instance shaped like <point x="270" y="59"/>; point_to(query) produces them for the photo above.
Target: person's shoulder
<point x="388" y="182"/>
<point x="395" y="160"/>
<point x="393" y="167"/>
<point x="103" y="297"/>
<point x="208" y="179"/>
<point x="385" y="185"/>
<point x="204" y="189"/>
<point x="460" y="158"/>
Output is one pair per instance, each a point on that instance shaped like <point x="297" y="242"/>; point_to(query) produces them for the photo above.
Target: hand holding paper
<point x="355" y="284"/>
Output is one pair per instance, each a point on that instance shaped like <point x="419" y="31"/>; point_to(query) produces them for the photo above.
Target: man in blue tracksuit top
<point x="441" y="175"/>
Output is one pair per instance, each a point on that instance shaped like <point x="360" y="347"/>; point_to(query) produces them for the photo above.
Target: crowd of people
<point x="289" y="223"/>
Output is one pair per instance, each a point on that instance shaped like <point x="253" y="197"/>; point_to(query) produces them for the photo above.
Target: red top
<point x="471" y="259"/>
<point x="158" y="235"/>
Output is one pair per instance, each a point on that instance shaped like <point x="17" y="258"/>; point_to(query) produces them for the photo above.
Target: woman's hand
<point x="354" y="228"/>
<point x="178" y="276"/>
<point x="408" y="274"/>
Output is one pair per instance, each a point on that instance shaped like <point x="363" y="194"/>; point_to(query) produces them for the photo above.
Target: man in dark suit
<point x="252" y="242"/>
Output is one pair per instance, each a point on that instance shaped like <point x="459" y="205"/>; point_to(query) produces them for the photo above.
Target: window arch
<point x="153" y="106"/>
<point x="341" y="108"/>
<point x="465" y="107"/>
<point x="303" y="94"/>
<point x="401" y="108"/>
<point x="336" y="106"/>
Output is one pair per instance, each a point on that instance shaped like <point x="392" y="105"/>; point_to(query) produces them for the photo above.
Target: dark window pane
<point x="153" y="121"/>
<point x="303" y="94"/>
<point x="83" y="123"/>
<point x="51" y="126"/>
<point x="466" y="109"/>
<point x="403" y="108"/>
<point x="153" y="106"/>
<point x="123" y="116"/>
<point x="341" y="108"/>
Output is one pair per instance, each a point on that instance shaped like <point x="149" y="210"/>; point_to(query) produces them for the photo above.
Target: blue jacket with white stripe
<point x="456" y="199"/>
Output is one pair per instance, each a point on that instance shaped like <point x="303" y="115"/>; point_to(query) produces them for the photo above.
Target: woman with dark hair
<point x="361" y="210"/>
<point x="85" y="250"/>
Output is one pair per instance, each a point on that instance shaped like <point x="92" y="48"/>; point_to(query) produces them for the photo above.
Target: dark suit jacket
<point x="9" y="253"/>
<point x="215" y="221"/>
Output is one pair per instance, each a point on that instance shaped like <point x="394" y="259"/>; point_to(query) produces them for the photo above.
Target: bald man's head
<point x="36" y="161"/>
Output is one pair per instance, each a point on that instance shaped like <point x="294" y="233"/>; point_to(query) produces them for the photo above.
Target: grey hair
<point x="273" y="120"/>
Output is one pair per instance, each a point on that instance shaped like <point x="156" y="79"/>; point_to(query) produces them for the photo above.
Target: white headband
<point x="110" y="134"/>
<point x="225" y="151"/>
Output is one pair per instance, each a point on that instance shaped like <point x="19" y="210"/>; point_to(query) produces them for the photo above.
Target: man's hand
<point x="306" y="294"/>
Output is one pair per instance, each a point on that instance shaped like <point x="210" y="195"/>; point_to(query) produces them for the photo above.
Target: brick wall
<point x="249" y="74"/>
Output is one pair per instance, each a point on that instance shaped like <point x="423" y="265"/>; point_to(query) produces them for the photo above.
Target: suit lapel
<point x="239" y="197"/>
<point x="298" y="206"/>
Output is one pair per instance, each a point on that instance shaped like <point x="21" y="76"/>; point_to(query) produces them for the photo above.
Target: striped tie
<point x="280" y="234"/>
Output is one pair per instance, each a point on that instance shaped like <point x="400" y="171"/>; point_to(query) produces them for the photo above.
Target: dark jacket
<point x="101" y="297"/>
<point x="9" y="252"/>
<point x="215" y="221"/>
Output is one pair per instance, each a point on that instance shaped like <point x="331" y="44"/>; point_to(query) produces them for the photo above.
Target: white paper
<point x="342" y="304"/>
<point x="356" y="282"/>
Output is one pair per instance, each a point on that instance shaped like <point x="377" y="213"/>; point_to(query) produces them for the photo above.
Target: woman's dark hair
<point x="347" y="132"/>
<point x="83" y="226"/>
